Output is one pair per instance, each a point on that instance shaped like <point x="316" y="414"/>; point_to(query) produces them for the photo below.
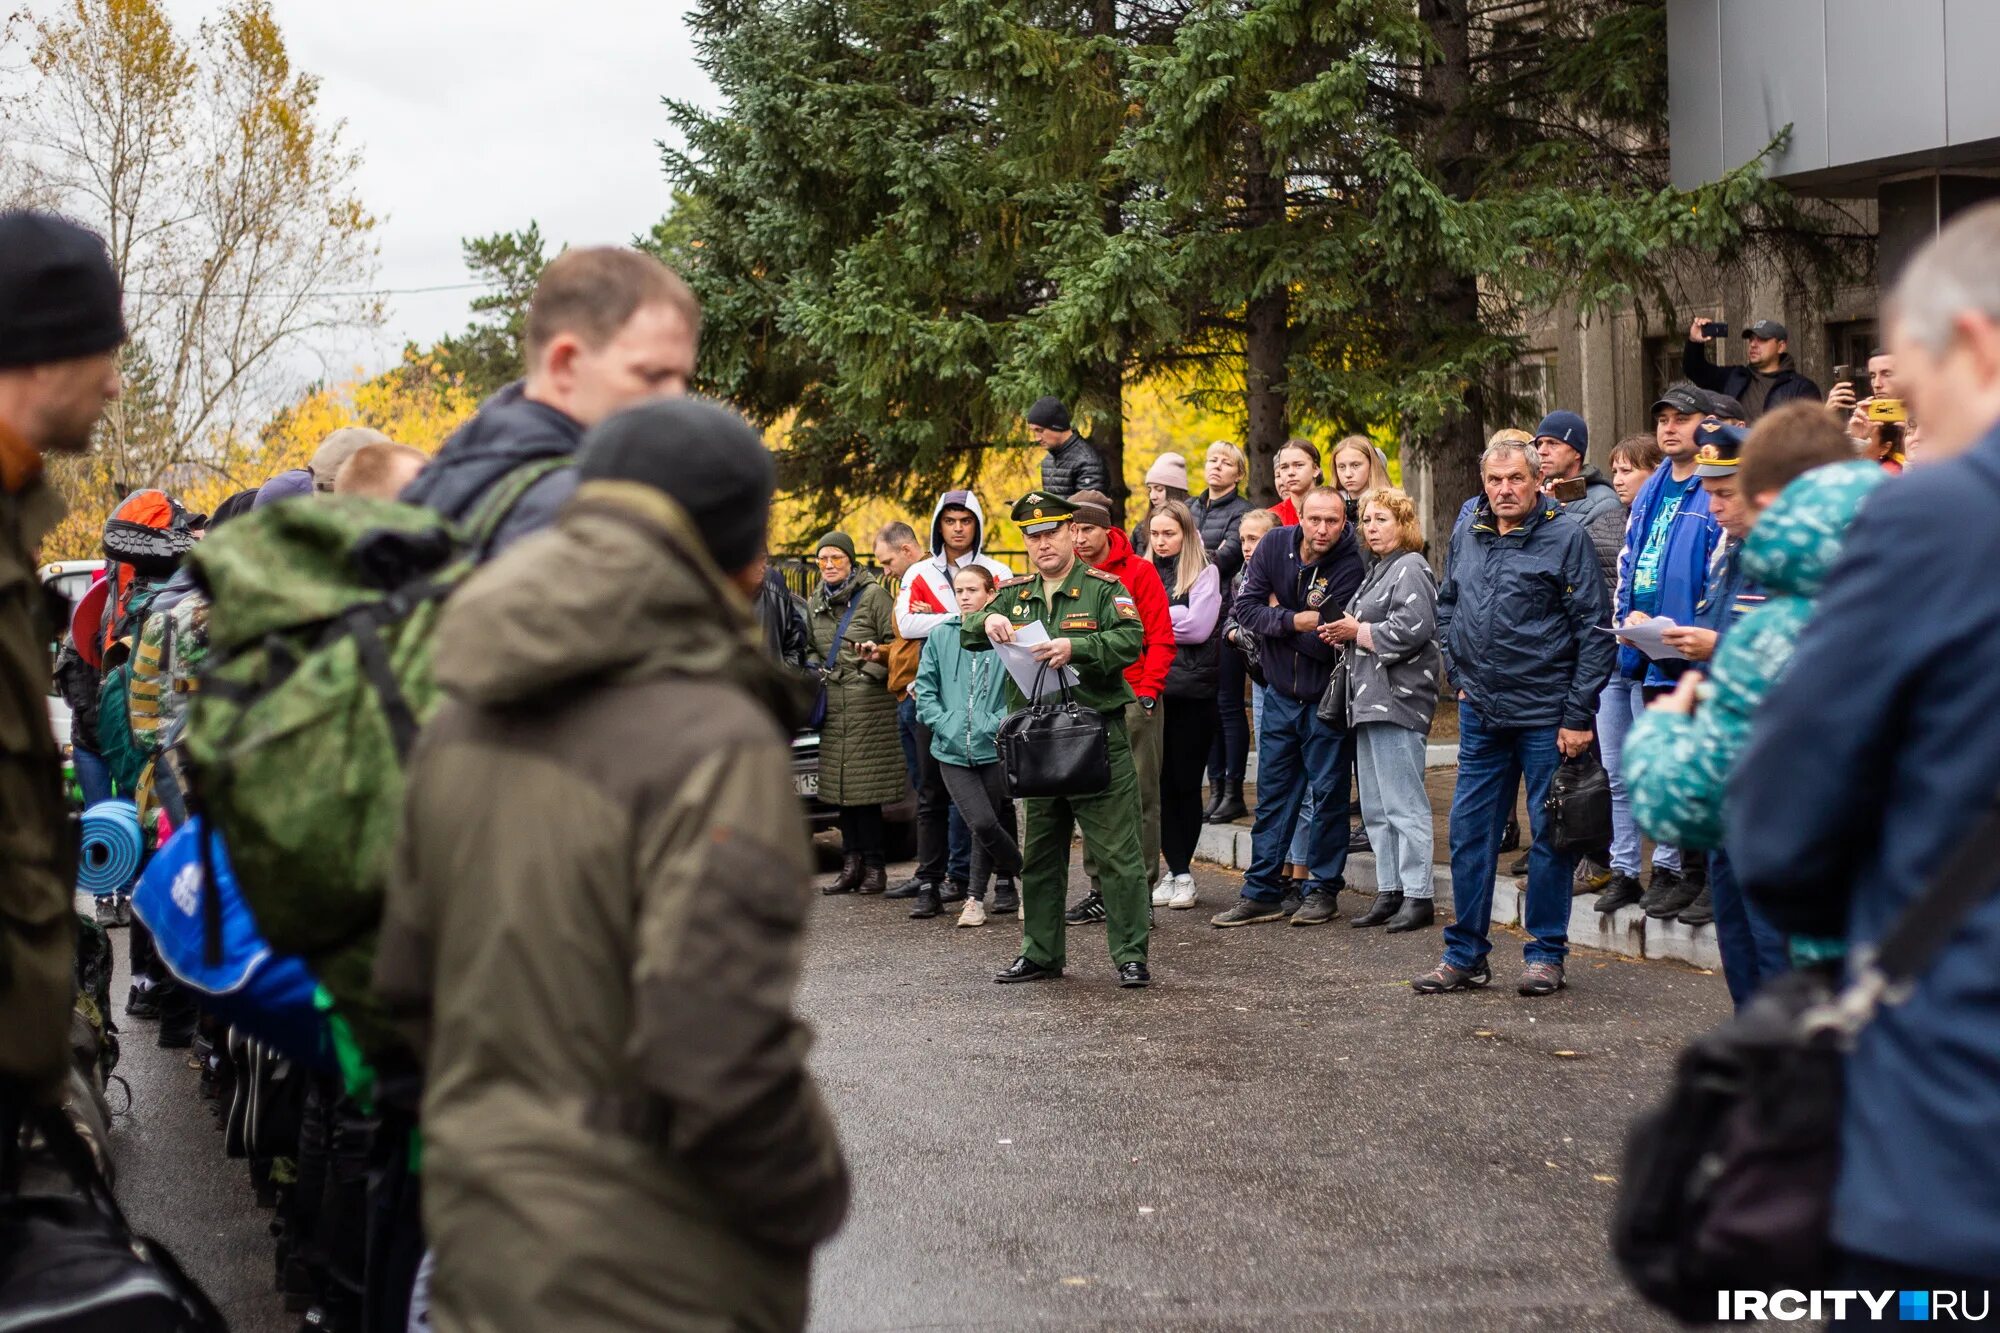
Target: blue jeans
<point x="1298" y="754"/>
<point x="1491" y="763"/>
<point x="91" y="775"/>
<point x="958" y="837"/>
<point x="1617" y="709"/>
<point x="1753" y="950"/>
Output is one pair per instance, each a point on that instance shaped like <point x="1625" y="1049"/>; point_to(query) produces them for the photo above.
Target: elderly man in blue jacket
<point x="1871" y="760"/>
<point x="1521" y="618"/>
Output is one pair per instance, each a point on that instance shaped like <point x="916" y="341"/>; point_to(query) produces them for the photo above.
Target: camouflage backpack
<point x="318" y="676"/>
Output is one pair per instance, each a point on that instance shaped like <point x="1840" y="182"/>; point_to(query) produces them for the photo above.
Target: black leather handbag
<point x="1055" y="747"/>
<point x="1579" y="807"/>
<point x="1728" y="1184"/>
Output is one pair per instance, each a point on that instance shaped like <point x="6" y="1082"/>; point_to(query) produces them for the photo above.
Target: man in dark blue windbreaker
<point x="1520" y="618"/>
<point x="1872" y="759"/>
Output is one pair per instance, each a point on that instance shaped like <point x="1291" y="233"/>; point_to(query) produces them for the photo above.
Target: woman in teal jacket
<point x="1677" y="765"/>
<point x="961" y="697"/>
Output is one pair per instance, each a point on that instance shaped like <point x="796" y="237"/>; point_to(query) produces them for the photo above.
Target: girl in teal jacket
<point x="1676" y="765"/>
<point x="961" y="698"/>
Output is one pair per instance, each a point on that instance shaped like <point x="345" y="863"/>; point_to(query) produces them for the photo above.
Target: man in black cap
<point x="1768" y="378"/>
<point x="61" y="324"/>
<point x="1071" y="465"/>
<point x="605" y="803"/>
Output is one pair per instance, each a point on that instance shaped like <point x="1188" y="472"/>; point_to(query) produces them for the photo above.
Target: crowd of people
<point x="1779" y="646"/>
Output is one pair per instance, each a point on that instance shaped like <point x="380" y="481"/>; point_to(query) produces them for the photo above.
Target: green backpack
<point x="318" y="677"/>
<point x="124" y="757"/>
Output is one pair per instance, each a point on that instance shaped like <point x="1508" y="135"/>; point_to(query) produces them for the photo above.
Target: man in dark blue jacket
<point x="1298" y="579"/>
<point x="1872" y="758"/>
<point x="1521" y="619"/>
<point x="607" y="328"/>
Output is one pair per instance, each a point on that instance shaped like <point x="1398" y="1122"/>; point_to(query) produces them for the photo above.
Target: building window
<point x="1663" y="365"/>
<point x="1849" y="343"/>
<point x="1531" y="384"/>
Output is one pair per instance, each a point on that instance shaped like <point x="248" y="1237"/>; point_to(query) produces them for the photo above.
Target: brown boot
<point x="875" y="879"/>
<point x="849" y="878"/>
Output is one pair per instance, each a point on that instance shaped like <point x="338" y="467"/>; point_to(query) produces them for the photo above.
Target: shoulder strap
<point x="840" y="630"/>
<point x="488" y="516"/>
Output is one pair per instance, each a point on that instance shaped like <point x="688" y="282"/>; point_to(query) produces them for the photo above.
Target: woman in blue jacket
<point x="961" y="697"/>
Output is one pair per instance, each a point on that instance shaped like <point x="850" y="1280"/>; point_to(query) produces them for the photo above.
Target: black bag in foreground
<point x="70" y="1263"/>
<point x="1728" y="1184"/>
<point x="1054" y="748"/>
<point x="1579" y="807"/>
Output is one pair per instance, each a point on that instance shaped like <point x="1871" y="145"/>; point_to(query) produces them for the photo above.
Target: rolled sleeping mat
<point x="112" y="847"/>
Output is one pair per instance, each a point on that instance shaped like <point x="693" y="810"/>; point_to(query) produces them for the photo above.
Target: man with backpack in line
<point x="607" y="328"/>
<point x="61" y="325"/>
<point x="603" y="810"/>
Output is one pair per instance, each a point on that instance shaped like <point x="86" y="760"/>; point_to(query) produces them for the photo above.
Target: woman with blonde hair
<point x="1194" y="601"/>
<point x="1394" y="666"/>
<point x="1358" y="468"/>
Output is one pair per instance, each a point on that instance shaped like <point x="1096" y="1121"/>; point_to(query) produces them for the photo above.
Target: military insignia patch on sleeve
<point x="1127" y="608"/>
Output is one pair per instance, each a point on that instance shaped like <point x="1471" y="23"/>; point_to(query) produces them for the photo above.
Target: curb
<point x="1628" y="932"/>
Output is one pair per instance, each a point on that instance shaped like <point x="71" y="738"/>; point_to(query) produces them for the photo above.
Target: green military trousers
<point x="1110" y="824"/>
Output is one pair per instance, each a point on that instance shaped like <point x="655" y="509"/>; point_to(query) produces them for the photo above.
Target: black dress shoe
<point x="1379" y="911"/>
<point x="1025" y="968"/>
<point x="909" y="888"/>
<point x="926" y="904"/>
<point x="1134" y="975"/>
<point x="1357" y="839"/>
<point x="1414" y="914"/>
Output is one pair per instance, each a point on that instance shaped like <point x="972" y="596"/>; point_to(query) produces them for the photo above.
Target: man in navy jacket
<point x="1521" y="619"/>
<point x="1298" y="579"/>
<point x="1872" y="758"/>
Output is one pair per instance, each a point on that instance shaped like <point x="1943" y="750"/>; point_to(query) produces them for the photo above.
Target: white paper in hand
<point x="1023" y="667"/>
<point x="1649" y="637"/>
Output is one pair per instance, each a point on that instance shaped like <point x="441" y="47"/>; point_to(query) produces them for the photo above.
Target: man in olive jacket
<point x="60" y="329"/>
<point x="597" y="914"/>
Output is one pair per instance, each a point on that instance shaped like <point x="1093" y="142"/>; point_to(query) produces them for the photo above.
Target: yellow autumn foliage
<point x="415" y="403"/>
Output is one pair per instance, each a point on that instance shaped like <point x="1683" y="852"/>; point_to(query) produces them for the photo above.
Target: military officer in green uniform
<point x="1093" y="628"/>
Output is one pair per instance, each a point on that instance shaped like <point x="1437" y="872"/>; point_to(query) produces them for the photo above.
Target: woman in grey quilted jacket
<point x="1394" y="670"/>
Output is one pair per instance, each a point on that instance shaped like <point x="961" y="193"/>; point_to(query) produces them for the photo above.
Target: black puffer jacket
<point x="1072" y="467"/>
<point x="509" y="431"/>
<point x="77" y="682"/>
<point x="1221" y="524"/>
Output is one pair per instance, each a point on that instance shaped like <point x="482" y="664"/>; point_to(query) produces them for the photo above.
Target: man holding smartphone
<point x="1765" y="381"/>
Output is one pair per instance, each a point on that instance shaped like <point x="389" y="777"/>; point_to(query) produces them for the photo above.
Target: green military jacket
<point x="37" y="843"/>
<point x="1093" y="611"/>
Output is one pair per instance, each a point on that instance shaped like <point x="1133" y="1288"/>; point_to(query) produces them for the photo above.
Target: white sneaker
<point x="973" y="913"/>
<point x="1183" y="892"/>
<point x="1163" y="892"/>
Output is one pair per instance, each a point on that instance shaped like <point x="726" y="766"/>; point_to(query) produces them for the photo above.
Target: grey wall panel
<point x="1885" y="94"/>
<point x="1773" y="75"/>
<point x="1972" y="82"/>
<point x="1694" y="90"/>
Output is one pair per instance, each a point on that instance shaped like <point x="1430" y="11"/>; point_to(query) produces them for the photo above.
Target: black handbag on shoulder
<point x="1728" y="1183"/>
<point x="69" y="1263"/>
<point x="1055" y="747"/>
<point x="1579" y="807"/>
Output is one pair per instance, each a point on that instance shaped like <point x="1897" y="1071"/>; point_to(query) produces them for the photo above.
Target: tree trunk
<point x="1267" y="338"/>
<point x="1108" y="432"/>
<point x="1450" y="454"/>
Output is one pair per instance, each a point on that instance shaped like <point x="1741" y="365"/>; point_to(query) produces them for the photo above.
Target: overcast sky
<point x="477" y="116"/>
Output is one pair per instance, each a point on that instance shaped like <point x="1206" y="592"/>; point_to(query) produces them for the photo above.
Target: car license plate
<point x="807" y="783"/>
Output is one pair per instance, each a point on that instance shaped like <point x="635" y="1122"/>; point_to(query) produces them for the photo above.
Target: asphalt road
<point x="1277" y="1135"/>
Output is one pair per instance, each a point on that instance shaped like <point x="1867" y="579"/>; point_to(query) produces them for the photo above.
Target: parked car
<point x="900" y="815"/>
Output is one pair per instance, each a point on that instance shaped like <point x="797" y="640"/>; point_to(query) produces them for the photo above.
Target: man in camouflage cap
<point x="1094" y="629"/>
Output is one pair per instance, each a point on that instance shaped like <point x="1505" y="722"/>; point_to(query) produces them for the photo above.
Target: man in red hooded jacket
<point x="1100" y="544"/>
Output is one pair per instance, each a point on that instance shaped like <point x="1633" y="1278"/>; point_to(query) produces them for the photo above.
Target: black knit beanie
<point x="1049" y="414"/>
<point x="58" y="295"/>
<point x="702" y="454"/>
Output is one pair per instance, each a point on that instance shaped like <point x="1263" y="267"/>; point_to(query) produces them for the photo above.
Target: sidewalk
<point x="1627" y="932"/>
